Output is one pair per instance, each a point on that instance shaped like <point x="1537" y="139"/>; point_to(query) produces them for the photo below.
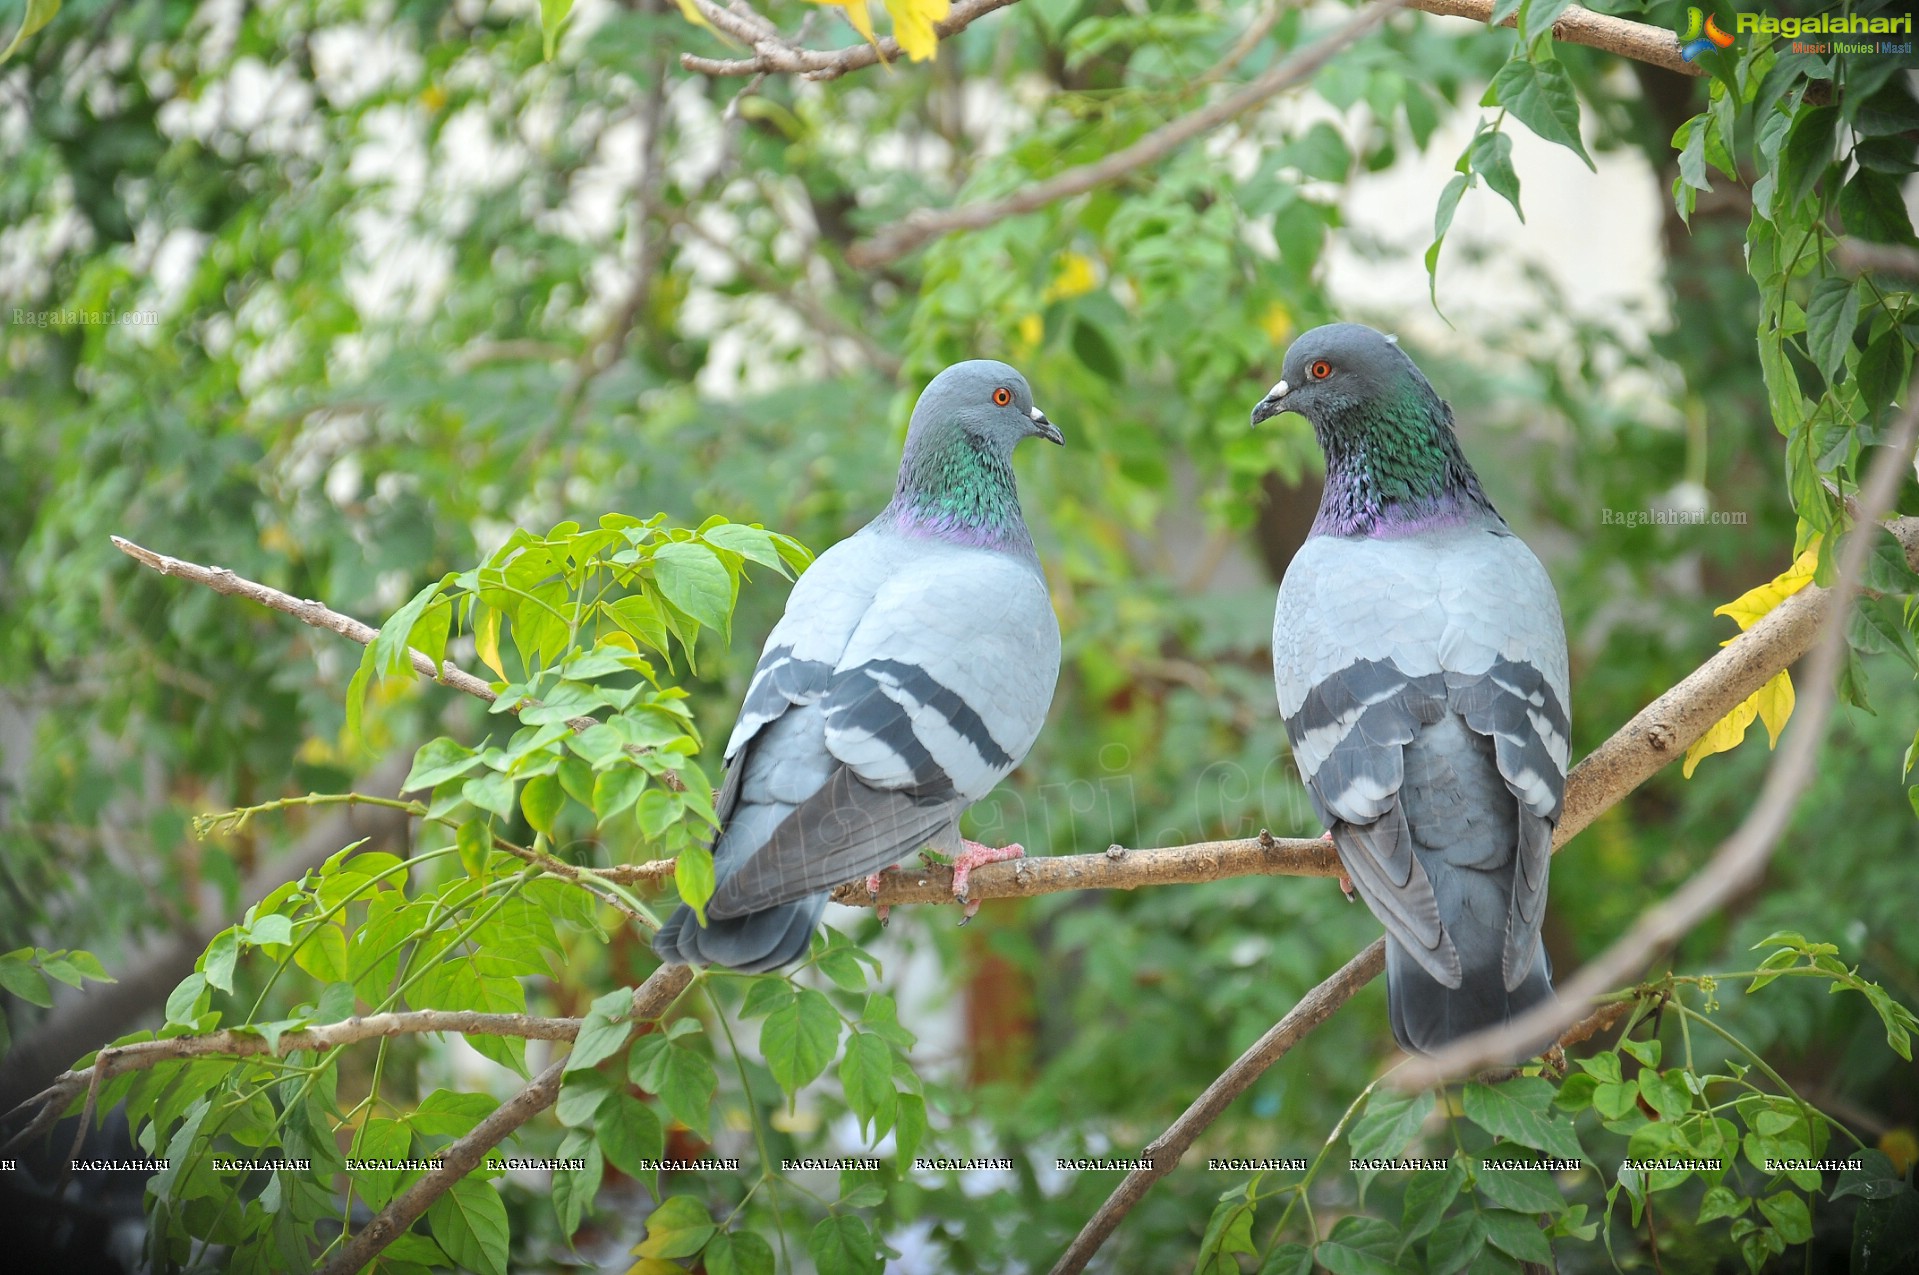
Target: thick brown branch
<point x="650" y="1000"/>
<point x="893" y="242"/>
<point x="1639" y="41"/>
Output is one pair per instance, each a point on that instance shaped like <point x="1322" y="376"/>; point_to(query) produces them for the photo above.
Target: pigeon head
<point x="1393" y="463"/>
<point x="956" y="479"/>
<point x="984" y="400"/>
<point x="1341" y="369"/>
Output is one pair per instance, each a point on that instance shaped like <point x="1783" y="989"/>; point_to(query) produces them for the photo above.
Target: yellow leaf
<point x="1031" y="329"/>
<point x="856" y="14"/>
<point x="1724" y="735"/>
<point x="693" y="15"/>
<point x="1775" y="705"/>
<point x="1276" y="323"/>
<point x="913" y="25"/>
<point x="1749" y="606"/>
<point x="486" y="640"/>
<point x="1075" y="277"/>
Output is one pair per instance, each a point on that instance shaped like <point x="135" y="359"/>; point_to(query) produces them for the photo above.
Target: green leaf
<point x="221" y="956"/>
<point x="1388" y="1124"/>
<point x="1428" y="1196"/>
<point x="1528" y="1190"/>
<point x="553" y="14"/>
<point x="38" y="14"/>
<point x="1540" y="94"/>
<point x="604" y="1030"/>
<point x="26" y="982"/>
<point x="630" y="1134"/>
<point x="1442" y="222"/>
<point x="450" y="1114"/>
<point x="798" y="1039"/>
<point x="683" y="1078"/>
<point x="1789" y="1215"/>
<point x="1362" y="1246"/>
<point x="582" y="1094"/>
<point x="322" y="952"/>
<point x="1288" y="1259"/>
<point x="1721" y="1202"/>
<point x="1807" y="154"/>
<point x="693" y="875"/>
<point x="540" y="801"/>
<point x="1872" y="208"/>
<point x="1518" y="1235"/>
<point x="843" y="1246"/>
<point x="615" y="790"/>
<point x="866" y="1074"/>
<point x="1491" y="156"/>
<point x="1536" y="18"/>
<point x="1832" y="312"/>
<point x="492" y="792"/>
<point x="90" y="967"/>
<point x="1456" y="1243"/>
<point x="574" y="1189"/>
<point x="738" y="1253"/>
<point x="692" y="578"/>
<point x="469" y="1222"/>
<point x="185" y="1003"/>
<point x="680" y="1227"/>
<point x="1506" y="1112"/>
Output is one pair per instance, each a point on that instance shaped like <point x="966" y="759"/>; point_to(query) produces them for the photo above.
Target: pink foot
<point x="974" y="856"/>
<point x="873" y="888"/>
<point x="1345" y="882"/>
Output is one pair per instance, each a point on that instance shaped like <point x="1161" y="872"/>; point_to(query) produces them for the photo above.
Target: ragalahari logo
<point x="1691" y="40"/>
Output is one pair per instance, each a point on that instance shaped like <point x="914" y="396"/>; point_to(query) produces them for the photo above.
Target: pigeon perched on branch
<point x="911" y="672"/>
<point x="1421" y="667"/>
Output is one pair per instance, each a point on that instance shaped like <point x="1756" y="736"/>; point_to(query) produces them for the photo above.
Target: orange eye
<point x="1320" y="369"/>
<point x="1002" y="396"/>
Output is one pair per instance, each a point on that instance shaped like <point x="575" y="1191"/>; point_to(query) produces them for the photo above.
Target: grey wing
<point x="940" y="692"/>
<point x="1372" y="643"/>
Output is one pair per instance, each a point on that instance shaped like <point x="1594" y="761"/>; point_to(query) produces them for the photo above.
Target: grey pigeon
<point x="911" y="672"/>
<point x="1421" y="667"/>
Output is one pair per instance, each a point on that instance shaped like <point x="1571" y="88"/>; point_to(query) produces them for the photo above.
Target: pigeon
<point x="911" y="673"/>
<point x="1420" y="662"/>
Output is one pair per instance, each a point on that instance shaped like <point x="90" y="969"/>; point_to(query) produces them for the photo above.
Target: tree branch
<point x="892" y="242"/>
<point x="1639" y="41"/>
<point x="1856" y="256"/>
<point x="1741" y="859"/>
<point x="118" y="1060"/>
<point x="307" y="611"/>
<point x="773" y="54"/>
<point x="650" y="1000"/>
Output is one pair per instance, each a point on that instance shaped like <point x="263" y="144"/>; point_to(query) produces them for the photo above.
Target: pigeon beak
<point x="1045" y="428"/>
<point x="1271" y="405"/>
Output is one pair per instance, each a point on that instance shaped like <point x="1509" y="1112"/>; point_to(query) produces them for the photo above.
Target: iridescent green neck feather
<point x="1393" y="466"/>
<point x="957" y="488"/>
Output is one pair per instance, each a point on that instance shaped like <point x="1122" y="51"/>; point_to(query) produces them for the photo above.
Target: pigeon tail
<point x="1427" y="1015"/>
<point x="750" y="944"/>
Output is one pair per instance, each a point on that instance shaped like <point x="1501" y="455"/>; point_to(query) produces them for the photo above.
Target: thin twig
<point x="650" y="1000"/>
<point x="892" y="242"/>
<point x="773" y="54"/>
<point x="1742" y="857"/>
<point x="120" y="1059"/>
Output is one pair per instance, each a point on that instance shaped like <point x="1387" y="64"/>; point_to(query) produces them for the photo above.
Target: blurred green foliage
<point x="400" y="285"/>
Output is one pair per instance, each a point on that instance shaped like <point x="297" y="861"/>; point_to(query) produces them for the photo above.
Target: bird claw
<point x="880" y="910"/>
<point x="974" y="855"/>
<point x="1345" y="881"/>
